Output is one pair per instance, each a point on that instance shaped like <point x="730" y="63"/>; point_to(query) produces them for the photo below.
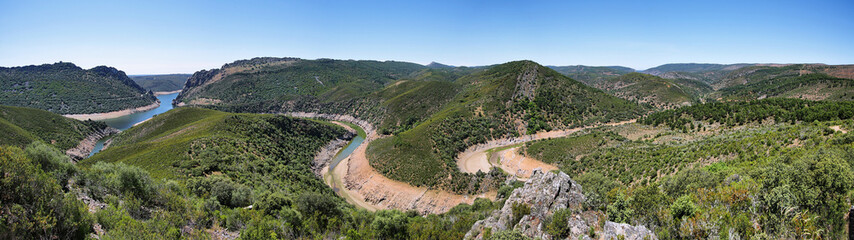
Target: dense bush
<point x="33" y="203"/>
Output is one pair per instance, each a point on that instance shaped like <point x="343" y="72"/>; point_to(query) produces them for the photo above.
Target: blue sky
<point x="146" y="37"/>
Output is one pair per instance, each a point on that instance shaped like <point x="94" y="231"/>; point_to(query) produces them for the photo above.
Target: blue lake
<point x="124" y="122"/>
<point x="346" y="151"/>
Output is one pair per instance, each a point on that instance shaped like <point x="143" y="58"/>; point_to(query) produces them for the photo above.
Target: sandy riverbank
<point x="475" y="157"/>
<point x="355" y="180"/>
<point x="115" y="114"/>
<point x="165" y="93"/>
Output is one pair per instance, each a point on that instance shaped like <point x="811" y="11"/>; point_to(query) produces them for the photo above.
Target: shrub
<point x="683" y="207"/>
<point x="519" y="211"/>
<point x="51" y="160"/>
<point x="390" y="224"/>
<point x="558" y="226"/>
<point x="310" y="203"/>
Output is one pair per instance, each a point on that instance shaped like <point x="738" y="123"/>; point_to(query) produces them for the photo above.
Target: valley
<point x="426" y="120"/>
<point x="321" y="147"/>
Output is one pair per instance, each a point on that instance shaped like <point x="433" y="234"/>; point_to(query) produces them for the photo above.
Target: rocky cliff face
<point x="545" y="194"/>
<point x="88" y="144"/>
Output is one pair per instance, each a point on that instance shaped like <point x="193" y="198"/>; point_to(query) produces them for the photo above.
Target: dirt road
<point x="476" y="158"/>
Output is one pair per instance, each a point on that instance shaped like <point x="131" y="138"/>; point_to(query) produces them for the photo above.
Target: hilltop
<point x="65" y="88"/>
<point x="266" y="83"/>
<point x="161" y="83"/>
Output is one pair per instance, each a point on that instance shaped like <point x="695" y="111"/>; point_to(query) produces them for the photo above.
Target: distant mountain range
<point x="714" y="82"/>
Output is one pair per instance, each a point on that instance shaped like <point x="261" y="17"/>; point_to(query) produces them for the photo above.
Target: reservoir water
<point x="124" y="122"/>
<point x="346" y="151"/>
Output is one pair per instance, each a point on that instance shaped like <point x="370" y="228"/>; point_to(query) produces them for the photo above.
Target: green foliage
<point x="558" y="227"/>
<point x="793" y="85"/>
<point x="33" y="203"/>
<point x="620" y="210"/>
<point x="310" y="203"/>
<point x="519" y="210"/>
<point x="509" y="235"/>
<point x="683" y="207"/>
<point x="740" y="113"/>
<point x="119" y="179"/>
<point x="789" y="179"/>
<point x="65" y="88"/>
<point x="558" y="150"/>
<point x="51" y="160"/>
<point x="390" y="224"/>
<point x="596" y="188"/>
<point x="485" y="108"/>
<point x="21" y="126"/>
<point x="264" y="84"/>
<point x="221" y="188"/>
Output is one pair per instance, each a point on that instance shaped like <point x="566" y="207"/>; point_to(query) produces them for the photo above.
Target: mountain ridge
<point x="65" y="88"/>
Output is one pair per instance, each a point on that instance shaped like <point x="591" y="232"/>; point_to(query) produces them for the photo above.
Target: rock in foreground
<point x="537" y="201"/>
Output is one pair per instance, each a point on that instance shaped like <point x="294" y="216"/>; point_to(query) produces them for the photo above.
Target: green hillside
<point x="161" y="83"/>
<point x="21" y="126"/>
<point x="244" y="174"/>
<point x="433" y="112"/>
<point x="65" y="88"/>
<point x="755" y="163"/>
<point x="179" y="143"/>
<point x="813" y="86"/>
<point x="263" y="84"/>
<point x="656" y="91"/>
<point x="489" y="105"/>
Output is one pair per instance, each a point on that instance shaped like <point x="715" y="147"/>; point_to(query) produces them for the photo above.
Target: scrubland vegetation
<point x="65" y="88"/>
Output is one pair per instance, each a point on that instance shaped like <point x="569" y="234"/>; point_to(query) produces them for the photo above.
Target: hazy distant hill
<point x="625" y="83"/>
<point x="161" y="83"/>
<point x="708" y="73"/>
<point x="65" y="88"/>
<point x="438" y="65"/>
<point x="592" y="76"/>
<point x="803" y="81"/>
<point x="653" y="90"/>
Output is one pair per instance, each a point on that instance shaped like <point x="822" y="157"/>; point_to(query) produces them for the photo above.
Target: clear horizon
<point x="161" y="37"/>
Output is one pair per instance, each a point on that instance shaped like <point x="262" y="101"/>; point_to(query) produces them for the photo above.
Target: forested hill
<point x="504" y="100"/>
<point x="161" y="83"/>
<point x="434" y="113"/>
<point x="65" y="88"/>
<point x="298" y="81"/>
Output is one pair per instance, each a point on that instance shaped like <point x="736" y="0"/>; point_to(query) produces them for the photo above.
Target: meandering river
<point x="124" y="122"/>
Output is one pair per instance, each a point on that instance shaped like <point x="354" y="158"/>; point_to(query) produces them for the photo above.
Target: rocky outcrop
<point x="546" y="193"/>
<point x="324" y="157"/>
<point x="209" y="76"/>
<point x="365" y="125"/>
<point x="88" y="144"/>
